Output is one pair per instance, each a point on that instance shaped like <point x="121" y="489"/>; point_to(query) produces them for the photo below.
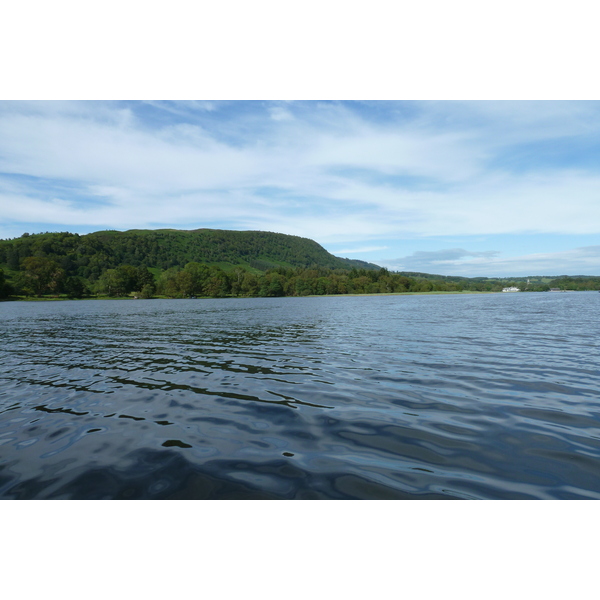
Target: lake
<point x="482" y="396"/>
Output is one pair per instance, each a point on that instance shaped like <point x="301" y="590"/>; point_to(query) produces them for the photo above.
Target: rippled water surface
<point x="443" y="396"/>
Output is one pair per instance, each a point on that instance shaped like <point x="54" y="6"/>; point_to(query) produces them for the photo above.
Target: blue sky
<point x="476" y="188"/>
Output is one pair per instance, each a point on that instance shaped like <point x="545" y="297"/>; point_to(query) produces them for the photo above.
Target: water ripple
<point x="482" y="396"/>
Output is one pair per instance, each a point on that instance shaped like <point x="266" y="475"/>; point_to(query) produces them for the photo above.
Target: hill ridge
<point x="87" y="255"/>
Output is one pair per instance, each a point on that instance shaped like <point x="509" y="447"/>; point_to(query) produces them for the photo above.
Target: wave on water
<point x="391" y="397"/>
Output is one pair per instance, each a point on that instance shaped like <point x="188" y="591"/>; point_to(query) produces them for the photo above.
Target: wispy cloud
<point x="360" y="250"/>
<point x="358" y="174"/>
<point x="278" y="113"/>
<point x="455" y="261"/>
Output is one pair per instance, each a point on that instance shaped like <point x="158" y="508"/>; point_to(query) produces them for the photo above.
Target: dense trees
<point x="575" y="283"/>
<point x="201" y="280"/>
<point x="41" y="275"/>
<point x="180" y="264"/>
<point x="5" y="288"/>
<point x="125" y="279"/>
<point x="89" y="256"/>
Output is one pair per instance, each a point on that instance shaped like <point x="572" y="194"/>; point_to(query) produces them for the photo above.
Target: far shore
<point x="62" y="298"/>
<point x="397" y="294"/>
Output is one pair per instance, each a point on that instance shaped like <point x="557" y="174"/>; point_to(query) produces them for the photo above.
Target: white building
<point x="511" y="289"/>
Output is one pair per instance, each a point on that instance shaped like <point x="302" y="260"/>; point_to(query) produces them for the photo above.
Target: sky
<point x="471" y="188"/>
<point x="468" y="188"/>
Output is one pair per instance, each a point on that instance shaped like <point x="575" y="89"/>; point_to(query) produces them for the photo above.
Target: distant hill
<point x="215" y="263"/>
<point x="89" y="255"/>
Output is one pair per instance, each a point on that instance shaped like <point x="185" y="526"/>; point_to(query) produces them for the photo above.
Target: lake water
<point x="373" y="397"/>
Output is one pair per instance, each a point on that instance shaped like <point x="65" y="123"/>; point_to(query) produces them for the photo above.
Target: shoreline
<point x="63" y="298"/>
<point x="433" y="293"/>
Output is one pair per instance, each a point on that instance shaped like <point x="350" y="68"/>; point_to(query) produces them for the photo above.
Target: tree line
<point x="180" y="264"/>
<point x="40" y="276"/>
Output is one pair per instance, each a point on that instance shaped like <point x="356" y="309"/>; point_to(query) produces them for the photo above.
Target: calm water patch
<point x="457" y="396"/>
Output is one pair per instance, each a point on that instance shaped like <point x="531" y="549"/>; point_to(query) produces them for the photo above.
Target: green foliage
<point x="148" y="291"/>
<point x="123" y="280"/>
<point x="42" y="275"/>
<point x="88" y="256"/>
<point x="74" y="287"/>
<point x="565" y="282"/>
<point x="202" y="280"/>
<point x="216" y="263"/>
<point x="5" y="288"/>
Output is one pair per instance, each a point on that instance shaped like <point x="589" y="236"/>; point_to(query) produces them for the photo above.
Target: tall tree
<point x="44" y="275"/>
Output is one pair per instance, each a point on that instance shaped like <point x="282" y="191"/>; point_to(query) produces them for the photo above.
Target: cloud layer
<point x="579" y="261"/>
<point x="357" y="174"/>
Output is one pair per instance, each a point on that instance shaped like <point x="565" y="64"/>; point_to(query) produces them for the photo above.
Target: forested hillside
<point x="89" y="255"/>
<point x="214" y="263"/>
<point x="53" y="263"/>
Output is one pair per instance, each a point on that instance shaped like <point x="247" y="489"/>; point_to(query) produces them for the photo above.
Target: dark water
<point x="471" y="396"/>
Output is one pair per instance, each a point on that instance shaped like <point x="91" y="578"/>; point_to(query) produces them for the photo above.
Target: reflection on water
<point x="474" y="396"/>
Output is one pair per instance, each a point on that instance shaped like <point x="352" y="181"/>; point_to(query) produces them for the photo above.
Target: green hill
<point x="215" y="263"/>
<point x="88" y="256"/>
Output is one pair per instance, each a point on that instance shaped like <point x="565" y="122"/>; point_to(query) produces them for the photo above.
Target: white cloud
<point x="327" y="173"/>
<point x="455" y="261"/>
<point x="183" y="108"/>
<point x="360" y="250"/>
<point x="279" y="113"/>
